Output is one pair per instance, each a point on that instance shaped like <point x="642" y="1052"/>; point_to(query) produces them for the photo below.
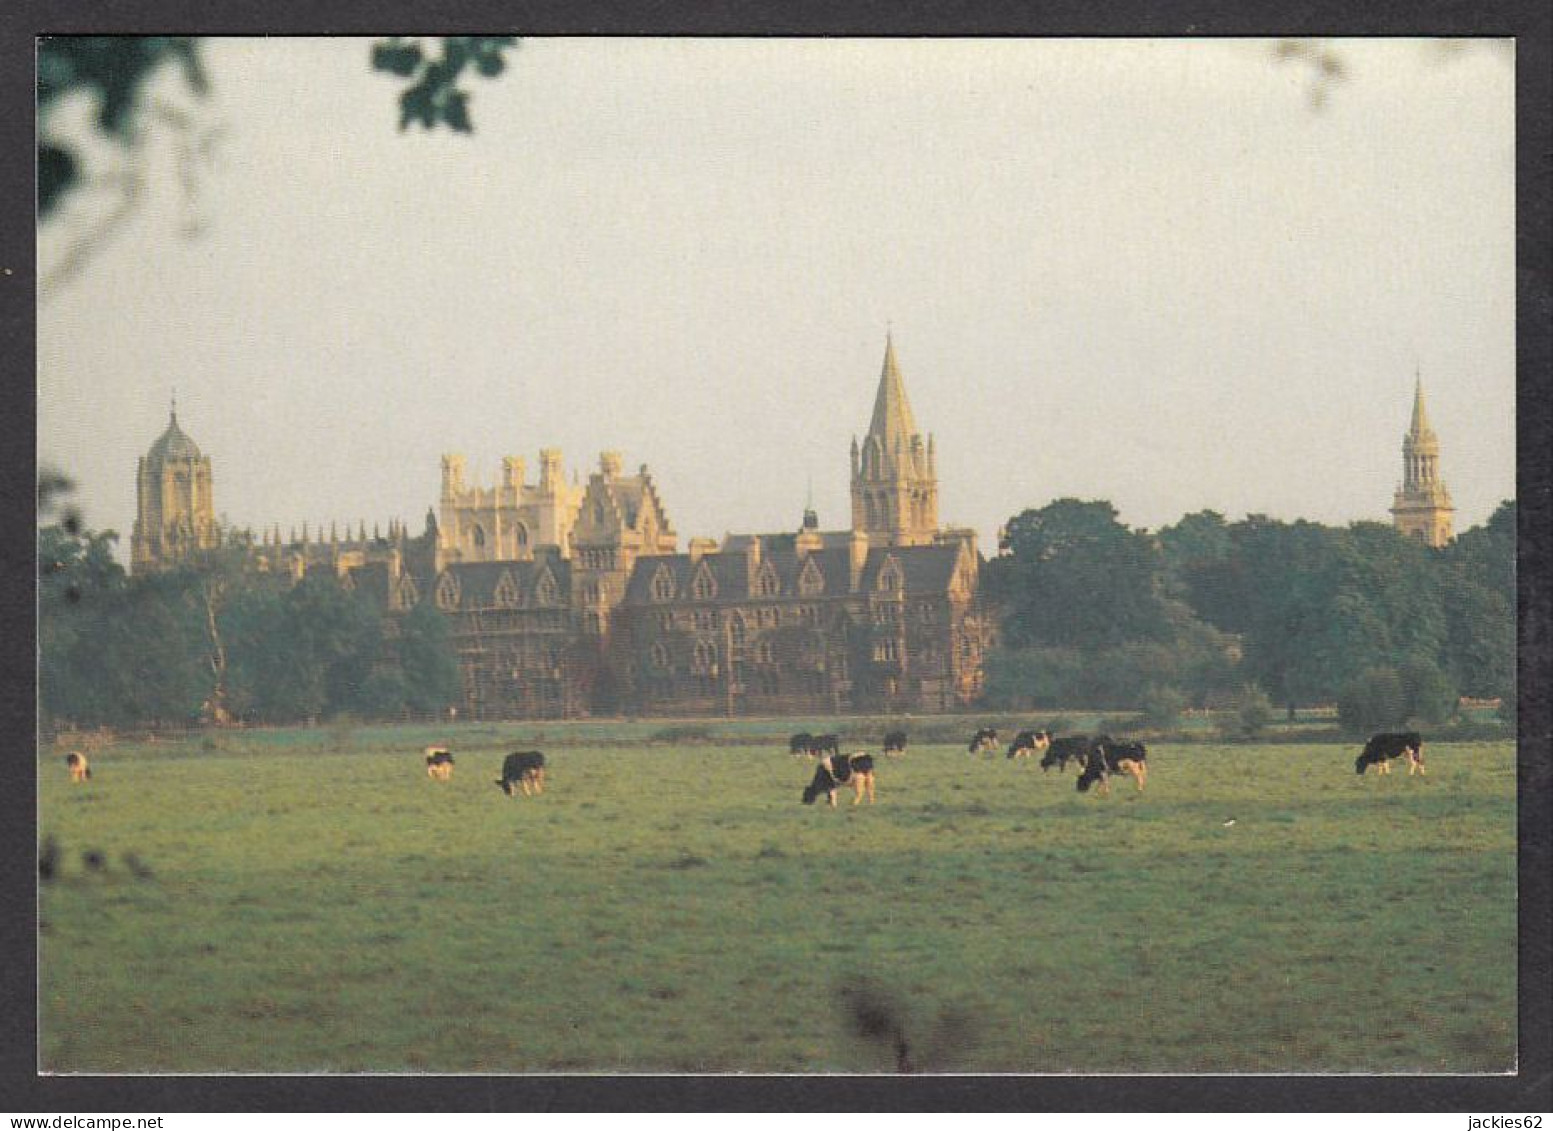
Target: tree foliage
<point x="221" y="642"/>
<point x="1095" y="615"/>
<point x="434" y="97"/>
<point x="117" y="71"/>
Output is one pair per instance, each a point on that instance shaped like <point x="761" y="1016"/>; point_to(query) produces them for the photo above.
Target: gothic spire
<point x="892" y="422"/>
<point x="1420" y="426"/>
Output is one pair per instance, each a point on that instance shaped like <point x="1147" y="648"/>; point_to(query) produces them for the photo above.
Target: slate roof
<point x="924" y="569"/>
<point x="477" y="581"/>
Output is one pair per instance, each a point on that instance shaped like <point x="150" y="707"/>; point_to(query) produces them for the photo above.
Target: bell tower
<point x="1422" y="507"/>
<point x="894" y="473"/>
<point x="175" y="515"/>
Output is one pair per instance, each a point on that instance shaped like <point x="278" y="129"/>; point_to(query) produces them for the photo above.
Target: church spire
<point x="1420" y="426"/>
<point x="892" y="421"/>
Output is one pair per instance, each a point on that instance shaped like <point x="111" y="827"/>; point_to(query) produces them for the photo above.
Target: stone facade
<point x="507" y="522"/>
<point x="1421" y="507"/>
<point x="570" y="599"/>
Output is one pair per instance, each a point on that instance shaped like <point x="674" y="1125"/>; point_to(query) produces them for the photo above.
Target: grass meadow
<point x="302" y="901"/>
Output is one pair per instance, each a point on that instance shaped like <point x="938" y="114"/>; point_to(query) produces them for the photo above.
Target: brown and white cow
<point x="439" y="763"/>
<point x="80" y="768"/>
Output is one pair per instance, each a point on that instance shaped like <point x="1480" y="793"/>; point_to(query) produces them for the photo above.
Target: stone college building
<point x="571" y="598"/>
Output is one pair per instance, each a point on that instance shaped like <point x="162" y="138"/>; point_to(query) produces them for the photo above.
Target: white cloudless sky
<point x="1155" y="272"/>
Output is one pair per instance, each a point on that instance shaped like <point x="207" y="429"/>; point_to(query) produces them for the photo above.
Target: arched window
<point x="766" y="583"/>
<point x="477" y="536"/>
<point x="764" y="653"/>
<point x="520" y="534"/>
<point x="705" y="656"/>
<point x="704" y="587"/>
<point x="447" y="592"/>
<point x="660" y="656"/>
<point x="736" y="630"/>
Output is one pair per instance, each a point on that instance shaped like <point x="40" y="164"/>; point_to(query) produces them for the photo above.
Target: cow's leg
<point x="832" y="797"/>
<point x="870" y="789"/>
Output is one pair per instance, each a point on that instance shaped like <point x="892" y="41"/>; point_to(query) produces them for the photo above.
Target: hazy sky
<point x="1154" y="272"/>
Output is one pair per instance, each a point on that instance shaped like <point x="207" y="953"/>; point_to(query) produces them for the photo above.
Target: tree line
<point x="221" y="642"/>
<point x="1214" y="614"/>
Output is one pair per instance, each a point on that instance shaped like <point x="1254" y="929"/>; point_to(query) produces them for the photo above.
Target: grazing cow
<point x="1028" y="742"/>
<point x="1382" y="748"/>
<point x="895" y="743"/>
<point x="984" y="741"/>
<point x="525" y="769"/>
<point x="1106" y="758"/>
<point x="80" y="769"/>
<point x="822" y="744"/>
<point x="439" y="763"/>
<point x="835" y="771"/>
<point x="799" y="743"/>
<point x="1059" y="751"/>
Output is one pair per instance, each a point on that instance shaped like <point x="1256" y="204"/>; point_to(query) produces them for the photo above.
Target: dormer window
<point x="546" y="591"/>
<point x="704" y="587"/>
<point x="447" y="592"/>
<point x="766" y="582"/>
<point x="663" y="585"/>
<point x="811" y="581"/>
<point x="506" y="594"/>
<point x="890" y="579"/>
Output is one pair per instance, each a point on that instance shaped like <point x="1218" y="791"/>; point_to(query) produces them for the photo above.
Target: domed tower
<point x="1422" y="506"/>
<point x="894" y="477"/>
<point x="175" y="514"/>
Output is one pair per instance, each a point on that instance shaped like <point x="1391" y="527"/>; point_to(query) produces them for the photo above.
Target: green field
<point x="310" y="901"/>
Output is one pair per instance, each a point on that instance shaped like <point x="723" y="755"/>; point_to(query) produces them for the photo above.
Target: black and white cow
<point x="1070" y="747"/>
<point x="439" y="763"/>
<point x="798" y="745"/>
<point x="1107" y="757"/>
<point x="525" y="769"/>
<point x="823" y="744"/>
<point x="895" y="743"/>
<point x="1028" y="742"/>
<point x="984" y="741"/>
<point x="1382" y="748"/>
<point x="836" y="770"/>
